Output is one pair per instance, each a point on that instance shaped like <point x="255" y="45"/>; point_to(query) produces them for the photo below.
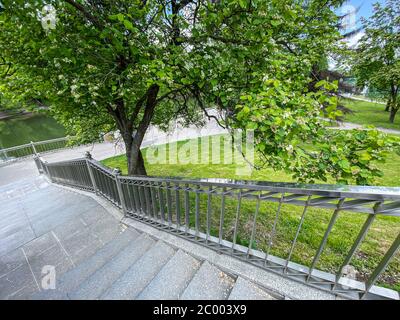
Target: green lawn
<point x="369" y="113"/>
<point x="24" y="129"/>
<point x="381" y="235"/>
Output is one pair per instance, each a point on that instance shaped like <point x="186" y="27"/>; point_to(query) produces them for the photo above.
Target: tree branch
<point x="87" y="14"/>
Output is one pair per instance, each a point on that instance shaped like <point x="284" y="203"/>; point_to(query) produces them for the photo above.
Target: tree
<point x="106" y="65"/>
<point x="377" y="58"/>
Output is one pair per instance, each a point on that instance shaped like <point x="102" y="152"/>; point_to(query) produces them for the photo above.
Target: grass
<point x="379" y="238"/>
<point x="369" y="113"/>
<point x="24" y="129"/>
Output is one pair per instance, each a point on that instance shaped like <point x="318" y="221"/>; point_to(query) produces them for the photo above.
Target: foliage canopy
<point x="107" y="65"/>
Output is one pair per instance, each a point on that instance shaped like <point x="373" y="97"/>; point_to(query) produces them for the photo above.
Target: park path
<point x="350" y="126"/>
<point x="362" y="99"/>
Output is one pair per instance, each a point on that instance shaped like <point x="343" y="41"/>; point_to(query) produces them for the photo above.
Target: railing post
<point x="33" y="148"/>
<point x="38" y="164"/>
<point x="5" y="155"/>
<point x="117" y="173"/>
<point x="88" y="157"/>
<point x="46" y="170"/>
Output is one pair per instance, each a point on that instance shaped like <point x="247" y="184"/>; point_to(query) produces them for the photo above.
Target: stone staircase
<point x="99" y="254"/>
<point x="136" y="266"/>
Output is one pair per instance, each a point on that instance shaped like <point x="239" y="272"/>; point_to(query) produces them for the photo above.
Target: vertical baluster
<point x="209" y="212"/>
<point x="297" y="233"/>
<point x="221" y="220"/>
<point x="131" y="197"/>
<point x="161" y="200"/>
<point x="153" y="200"/>
<point x="142" y="199"/>
<point x="360" y="237"/>
<point x="237" y="219"/>
<point x="169" y="204"/>
<point x="104" y="179"/>
<point x="137" y="198"/>
<point x="118" y="183"/>
<point x="272" y="234"/>
<point x="325" y="238"/>
<point x="187" y="209"/>
<point x="97" y="179"/>
<point x="146" y="191"/>
<point x="253" y="229"/>
<point x="177" y="207"/>
<point x="114" y="191"/>
<point x="197" y="212"/>
<point x="382" y="265"/>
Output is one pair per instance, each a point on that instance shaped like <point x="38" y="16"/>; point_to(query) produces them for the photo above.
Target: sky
<point x="365" y="10"/>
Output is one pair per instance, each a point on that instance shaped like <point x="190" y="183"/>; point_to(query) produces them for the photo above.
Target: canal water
<point x="24" y="129"/>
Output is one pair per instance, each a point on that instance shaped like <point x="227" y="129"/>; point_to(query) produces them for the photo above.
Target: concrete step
<point x="104" y="277"/>
<point x="246" y="290"/>
<point x="209" y="283"/>
<point x="172" y="279"/>
<point x="139" y="275"/>
<point x="73" y="278"/>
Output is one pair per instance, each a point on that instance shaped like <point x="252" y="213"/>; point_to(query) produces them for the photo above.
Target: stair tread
<point x="172" y="279"/>
<point x="209" y="283"/>
<point x="73" y="278"/>
<point x="104" y="277"/>
<point x="246" y="290"/>
<point x="139" y="275"/>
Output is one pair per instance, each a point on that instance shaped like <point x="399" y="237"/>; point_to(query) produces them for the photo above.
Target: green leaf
<point x="243" y="4"/>
<point x="128" y="25"/>
<point x="365" y="156"/>
<point x="345" y="165"/>
<point x="214" y="82"/>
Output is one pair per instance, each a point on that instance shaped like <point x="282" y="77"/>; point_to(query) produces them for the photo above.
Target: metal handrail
<point x="197" y="210"/>
<point x="21" y="152"/>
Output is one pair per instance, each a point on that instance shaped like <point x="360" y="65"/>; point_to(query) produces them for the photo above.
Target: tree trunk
<point x="388" y="103"/>
<point x="134" y="156"/>
<point x="135" y="161"/>
<point x="393" y="112"/>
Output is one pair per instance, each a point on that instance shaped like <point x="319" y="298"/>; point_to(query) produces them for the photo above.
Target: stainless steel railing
<point x="24" y="151"/>
<point x="226" y="215"/>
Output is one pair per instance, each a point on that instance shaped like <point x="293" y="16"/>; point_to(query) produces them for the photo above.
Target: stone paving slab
<point x="13" y="224"/>
<point x="16" y="239"/>
<point x="20" y="279"/>
<point x="11" y="261"/>
<point x="81" y="245"/>
<point x="49" y="226"/>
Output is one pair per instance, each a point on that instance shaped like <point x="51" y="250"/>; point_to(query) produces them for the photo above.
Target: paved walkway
<point x="46" y="225"/>
<point x="362" y="99"/>
<point x="350" y="126"/>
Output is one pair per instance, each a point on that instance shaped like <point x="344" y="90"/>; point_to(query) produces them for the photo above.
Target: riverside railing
<point x="24" y="151"/>
<point x="244" y="219"/>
